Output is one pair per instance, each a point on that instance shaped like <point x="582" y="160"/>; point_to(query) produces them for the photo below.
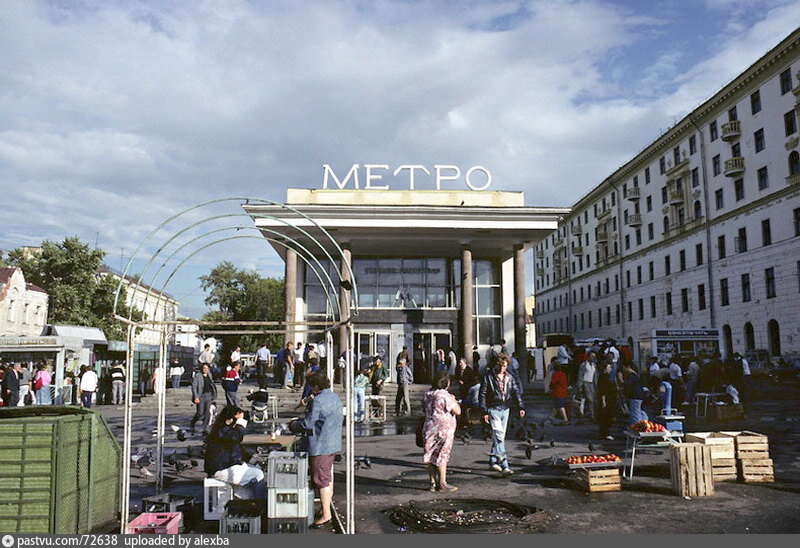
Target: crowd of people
<point x="23" y="385"/>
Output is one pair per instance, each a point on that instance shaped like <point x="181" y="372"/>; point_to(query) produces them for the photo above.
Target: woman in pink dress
<point x="438" y="431"/>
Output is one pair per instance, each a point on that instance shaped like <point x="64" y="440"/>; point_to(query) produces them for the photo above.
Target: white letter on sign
<point x="440" y="177"/>
<point x="370" y="177"/>
<point x="411" y="169"/>
<point x="341" y="184"/>
<point x="488" y="178"/>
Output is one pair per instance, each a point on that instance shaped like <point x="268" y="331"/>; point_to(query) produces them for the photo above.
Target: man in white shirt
<point x="586" y="375"/>
<point x="176" y="372"/>
<point x="563" y="355"/>
<point x="613" y="353"/>
<point x="262" y="362"/>
<point x="88" y="386"/>
<point x="206" y="357"/>
<point x="236" y="355"/>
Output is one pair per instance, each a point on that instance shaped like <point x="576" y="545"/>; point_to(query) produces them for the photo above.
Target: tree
<point x="243" y="295"/>
<point x="69" y="272"/>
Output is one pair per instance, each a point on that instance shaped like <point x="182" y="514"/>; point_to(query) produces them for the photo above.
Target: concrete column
<point x="290" y="287"/>
<point x="344" y="298"/>
<point x="467" y="304"/>
<point x="519" y="304"/>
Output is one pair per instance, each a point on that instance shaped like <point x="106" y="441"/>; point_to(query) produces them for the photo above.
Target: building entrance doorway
<point x="430" y="342"/>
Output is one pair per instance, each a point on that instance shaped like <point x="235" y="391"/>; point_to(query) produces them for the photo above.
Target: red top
<point x="558" y="385"/>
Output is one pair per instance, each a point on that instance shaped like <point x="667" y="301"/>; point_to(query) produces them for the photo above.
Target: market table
<point x="254" y="440"/>
<point x="647" y="440"/>
<point x="704" y="398"/>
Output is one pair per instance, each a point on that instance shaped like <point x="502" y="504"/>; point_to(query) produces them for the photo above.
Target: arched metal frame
<point x="165" y="327"/>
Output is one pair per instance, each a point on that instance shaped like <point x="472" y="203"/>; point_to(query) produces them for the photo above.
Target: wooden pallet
<point x="756" y="470"/>
<point x="750" y="445"/>
<point x="724" y="469"/>
<point x="599" y="479"/>
<point x="691" y="469"/>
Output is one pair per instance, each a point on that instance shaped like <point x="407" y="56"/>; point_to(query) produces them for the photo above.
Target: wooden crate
<point x="750" y="445"/>
<point x="691" y="469"/>
<point x="724" y="469"/>
<point x="722" y="445"/>
<point x="728" y="412"/>
<point x="599" y="479"/>
<point x="756" y="470"/>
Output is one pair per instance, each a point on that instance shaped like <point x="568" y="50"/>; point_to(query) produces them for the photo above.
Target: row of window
<point x="27" y="317"/>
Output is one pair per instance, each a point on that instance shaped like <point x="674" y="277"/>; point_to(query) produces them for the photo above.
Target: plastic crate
<point x="168" y="502"/>
<point x="155" y="523"/>
<point x="289" y="503"/>
<point x="287" y="526"/>
<point x="287" y="470"/>
<point x="243" y="517"/>
<point x="215" y="495"/>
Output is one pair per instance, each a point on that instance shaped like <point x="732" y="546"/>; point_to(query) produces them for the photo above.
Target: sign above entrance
<point x="373" y="176"/>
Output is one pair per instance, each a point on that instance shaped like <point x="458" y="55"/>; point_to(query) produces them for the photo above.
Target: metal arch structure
<point x="337" y="319"/>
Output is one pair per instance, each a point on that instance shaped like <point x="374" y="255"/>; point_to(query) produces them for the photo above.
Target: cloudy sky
<point x="115" y="115"/>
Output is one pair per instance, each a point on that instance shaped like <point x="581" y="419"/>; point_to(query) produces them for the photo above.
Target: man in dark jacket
<point x="498" y="392"/>
<point x="204" y="392"/>
<point x="11" y="384"/>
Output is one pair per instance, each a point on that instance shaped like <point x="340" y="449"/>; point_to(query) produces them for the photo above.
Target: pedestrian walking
<point x="404" y="379"/>
<point x="262" y="362"/>
<point x="634" y="393"/>
<point x="230" y="385"/>
<point x="379" y="376"/>
<point x="559" y="392"/>
<point x="206" y="357"/>
<point x="498" y="392"/>
<point x="360" y="393"/>
<point x="88" y="386"/>
<point x="117" y="383"/>
<point x="438" y="431"/>
<point x="176" y="371"/>
<point x="587" y="372"/>
<point x="299" y="366"/>
<point x="11" y="384"/>
<point x="606" y="400"/>
<point x="204" y="392"/>
<point x="42" y="382"/>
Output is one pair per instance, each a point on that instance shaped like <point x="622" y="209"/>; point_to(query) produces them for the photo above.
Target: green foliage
<point x="243" y="295"/>
<point x="69" y="272"/>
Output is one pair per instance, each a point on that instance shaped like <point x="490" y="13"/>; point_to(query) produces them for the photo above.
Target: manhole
<point x="468" y="516"/>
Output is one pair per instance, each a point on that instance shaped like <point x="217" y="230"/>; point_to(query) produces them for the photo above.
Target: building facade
<point x="438" y="269"/>
<point x="23" y="306"/>
<point x="700" y="231"/>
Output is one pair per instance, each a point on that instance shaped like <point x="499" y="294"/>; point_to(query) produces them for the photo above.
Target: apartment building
<point x="699" y="231"/>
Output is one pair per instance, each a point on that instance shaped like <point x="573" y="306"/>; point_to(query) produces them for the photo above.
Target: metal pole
<point x="161" y="390"/>
<point x="350" y="434"/>
<point x="125" y="491"/>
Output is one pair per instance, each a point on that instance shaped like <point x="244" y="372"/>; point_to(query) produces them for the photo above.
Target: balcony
<point x="577" y="250"/>
<point x="540" y="253"/>
<point x="577" y="230"/>
<point x="634" y="220"/>
<point x="675" y="197"/>
<point x="557" y="260"/>
<point x="731" y="131"/>
<point x="558" y="242"/>
<point x="734" y="167"/>
<point x="603" y="214"/>
<point x="602" y="236"/>
<point x="632" y="194"/>
<point x="793" y="179"/>
<point x="681" y="166"/>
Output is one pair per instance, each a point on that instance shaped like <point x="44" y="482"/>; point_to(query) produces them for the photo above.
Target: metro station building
<point x="433" y="268"/>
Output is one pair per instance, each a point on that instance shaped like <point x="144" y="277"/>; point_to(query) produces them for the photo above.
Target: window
<point x="736" y="150"/>
<point x="698" y="209"/>
<point x="638" y="237"/>
<point x="786" y="81"/>
<point x="741" y="240"/>
<point x="794" y="163"/>
<point x="755" y="102"/>
<point x="652" y="306"/>
<point x="763" y="178"/>
<point x="668" y="303"/>
<point x="651" y="270"/>
<point x="712" y="131"/>
<point x="716" y="165"/>
<point x="599" y="317"/>
<point x="797" y="222"/>
<point x="667" y="266"/>
<point x="790" y="122"/>
<point x="758" y="140"/>
<point x="718" y="199"/>
<point x="766" y="233"/>
<point x="676" y="155"/>
<point x="732" y="114"/>
<point x="666" y="224"/>
<point x="746" y="295"/>
<point x="723" y="292"/>
<point x="627" y="242"/>
<point x="695" y="178"/>
<point x="664" y="195"/>
<point x="630" y="310"/>
<point x="692" y="144"/>
<point x="701" y="297"/>
<point x="639" y="274"/>
<point x="769" y="282"/>
<point x="616" y="314"/>
<point x="685" y="300"/>
<point x="641" y="309"/>
<point x="721" y="247"/>
<point x="649" y="202"/>
<point x="682" y="259"/>
<point x="647" y="175"/>
<point x="698" y="254"/>
<point x="738" y="189"/>
<point x="613" y="199"/>
<point x="650" y="234"/>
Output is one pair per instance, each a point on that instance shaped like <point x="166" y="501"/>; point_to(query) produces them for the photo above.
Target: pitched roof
<point x="6" y="273"/>
<point x="32" y="287"/>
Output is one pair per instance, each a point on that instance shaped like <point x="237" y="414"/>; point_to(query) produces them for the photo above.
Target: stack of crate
<point x="242" y="517"/>
<point x="752" y="457"/>
<point x="290" y="504"/>
<point x="723" y="456"/>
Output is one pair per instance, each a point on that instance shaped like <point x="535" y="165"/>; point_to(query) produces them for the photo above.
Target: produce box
<point x="599" y="480"/>
<point x="749" y="445"/>
<point x="722" y="445"/>
<point x="756" y="470"/>
<point x="724" y="469"/>
<point x="691" y="470"/>
<point x="728" y="412"/>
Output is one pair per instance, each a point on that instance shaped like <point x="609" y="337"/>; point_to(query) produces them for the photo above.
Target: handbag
<point x="420" y="440"/>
